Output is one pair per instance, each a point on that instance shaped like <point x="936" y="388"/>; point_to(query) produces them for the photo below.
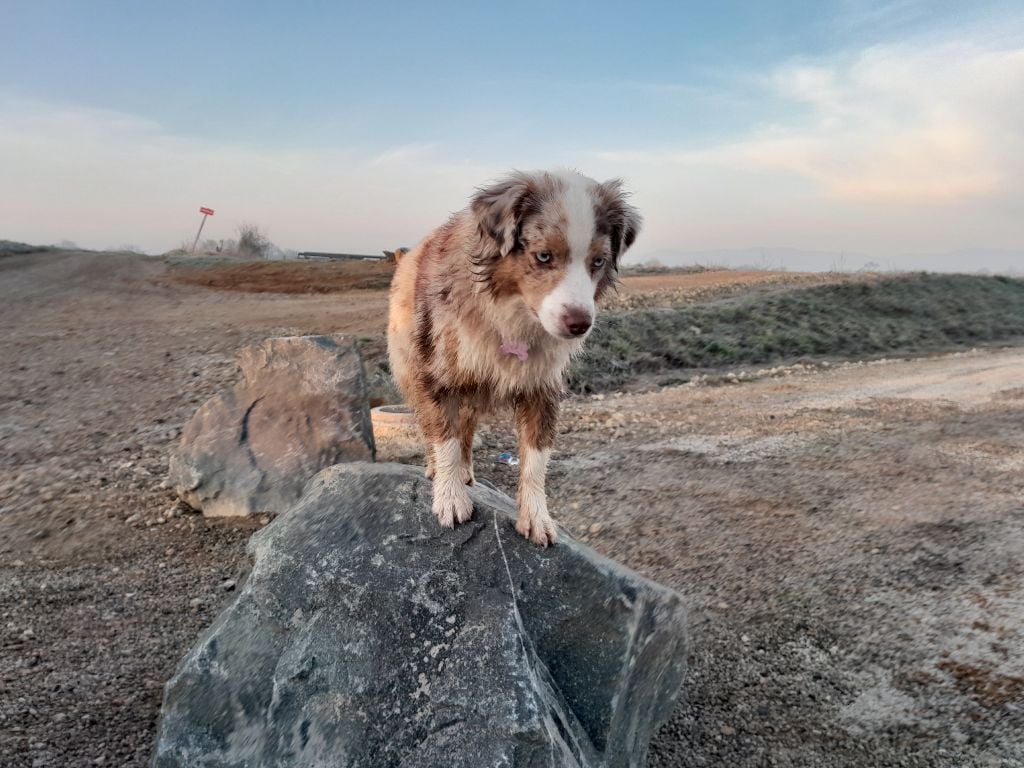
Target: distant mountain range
<point x="997" y="261"/>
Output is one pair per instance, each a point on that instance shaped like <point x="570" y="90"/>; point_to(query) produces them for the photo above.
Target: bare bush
<point x="253" y="242"/>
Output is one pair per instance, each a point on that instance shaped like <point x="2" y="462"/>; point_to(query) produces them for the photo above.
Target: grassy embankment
<point x="895" y="315"/>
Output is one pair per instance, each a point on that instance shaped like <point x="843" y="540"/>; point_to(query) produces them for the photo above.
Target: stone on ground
<point x="300" y="406"/>
<point x="367" y="635"/>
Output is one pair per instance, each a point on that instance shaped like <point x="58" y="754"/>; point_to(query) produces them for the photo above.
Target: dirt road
<point x="673" y="288"/>
<point x="850" y="543"/>
<point x="849" y="540"/>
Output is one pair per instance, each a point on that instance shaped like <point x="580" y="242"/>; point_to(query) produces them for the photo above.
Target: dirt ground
<point x="848" y="538"/>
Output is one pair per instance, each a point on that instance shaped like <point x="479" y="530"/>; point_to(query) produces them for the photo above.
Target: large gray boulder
<point x="299" y="406"/>
<point x="367" y="635"/>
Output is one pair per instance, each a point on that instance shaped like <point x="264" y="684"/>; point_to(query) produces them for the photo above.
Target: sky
<point x="784" y="134"/>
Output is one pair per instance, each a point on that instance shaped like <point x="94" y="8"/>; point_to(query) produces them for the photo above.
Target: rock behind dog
<point x="300" y="406"/>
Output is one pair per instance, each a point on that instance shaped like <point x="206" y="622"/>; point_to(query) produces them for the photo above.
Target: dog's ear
<point x="499" y="210"/>
<point x="616" y="218"/>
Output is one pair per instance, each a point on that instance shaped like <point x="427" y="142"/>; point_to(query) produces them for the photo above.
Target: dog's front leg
<point x="536" y="421"/>
<point x="440" y="423"/>
<point x="467" y="428"/>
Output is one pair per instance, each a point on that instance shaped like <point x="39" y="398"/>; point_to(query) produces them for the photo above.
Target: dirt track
<point x="849" y="540"/>
<point x="850" y="545"/>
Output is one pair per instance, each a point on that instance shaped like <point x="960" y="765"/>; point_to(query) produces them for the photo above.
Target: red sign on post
<point x="206" y="212"/>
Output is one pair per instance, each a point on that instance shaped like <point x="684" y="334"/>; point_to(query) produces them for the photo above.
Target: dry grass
<point x="638" y="290"/>
<point x="288" y="276"/>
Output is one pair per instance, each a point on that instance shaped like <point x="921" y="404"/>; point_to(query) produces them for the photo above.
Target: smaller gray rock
<point x="299" y="407"/>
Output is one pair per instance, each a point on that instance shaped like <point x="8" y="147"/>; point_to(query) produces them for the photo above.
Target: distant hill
<point x="11" y="248"/>
<point x="993" y="260"/>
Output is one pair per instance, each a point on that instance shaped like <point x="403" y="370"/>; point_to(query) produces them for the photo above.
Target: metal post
<point x="196" y="241"/>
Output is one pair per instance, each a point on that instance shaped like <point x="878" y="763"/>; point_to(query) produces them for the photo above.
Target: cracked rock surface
<point x="368" y="635"/>
<point x="299" y="406"/>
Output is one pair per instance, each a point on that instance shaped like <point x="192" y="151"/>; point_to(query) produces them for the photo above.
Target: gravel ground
<point x="848" y="538"/>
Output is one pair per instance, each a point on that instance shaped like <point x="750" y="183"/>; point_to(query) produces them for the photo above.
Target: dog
<point x="487" y="312"/>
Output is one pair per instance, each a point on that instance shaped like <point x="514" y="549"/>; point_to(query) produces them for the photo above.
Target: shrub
<point x="252" y="242"/>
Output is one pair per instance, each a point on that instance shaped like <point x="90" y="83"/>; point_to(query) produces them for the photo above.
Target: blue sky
<point x="846" y="127"/>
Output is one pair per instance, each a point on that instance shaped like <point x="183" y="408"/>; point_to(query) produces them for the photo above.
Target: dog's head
<point x="554" y="240"/>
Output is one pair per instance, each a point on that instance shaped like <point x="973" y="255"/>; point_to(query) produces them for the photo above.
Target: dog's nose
<point x="576" y="320"/>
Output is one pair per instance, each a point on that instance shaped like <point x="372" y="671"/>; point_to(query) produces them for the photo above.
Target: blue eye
<point x="598" y="263"/>
<point x="543" y="257"/>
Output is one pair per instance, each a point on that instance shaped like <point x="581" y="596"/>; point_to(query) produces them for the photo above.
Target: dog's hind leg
<point x="536" y="421"/>
<point x="440" y="422"/>
<point x="467" y="428"/>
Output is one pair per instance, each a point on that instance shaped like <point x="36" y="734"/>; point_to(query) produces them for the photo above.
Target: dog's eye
<point x="598" y="263"/>
<point x="543" y="257"/>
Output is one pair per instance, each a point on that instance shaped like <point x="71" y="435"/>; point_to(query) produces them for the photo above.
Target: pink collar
<point x="518" y="349"/>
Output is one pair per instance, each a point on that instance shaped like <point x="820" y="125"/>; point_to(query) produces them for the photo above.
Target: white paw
<point x="537" y="526"/>
<point x="452" y="503"/>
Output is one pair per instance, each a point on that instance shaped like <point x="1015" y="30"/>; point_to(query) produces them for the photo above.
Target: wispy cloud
<point x="909" y="147"/>
<point x="895" y="125"/>
<point x="903" y="124"/>
<point x="867" y="15"/>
